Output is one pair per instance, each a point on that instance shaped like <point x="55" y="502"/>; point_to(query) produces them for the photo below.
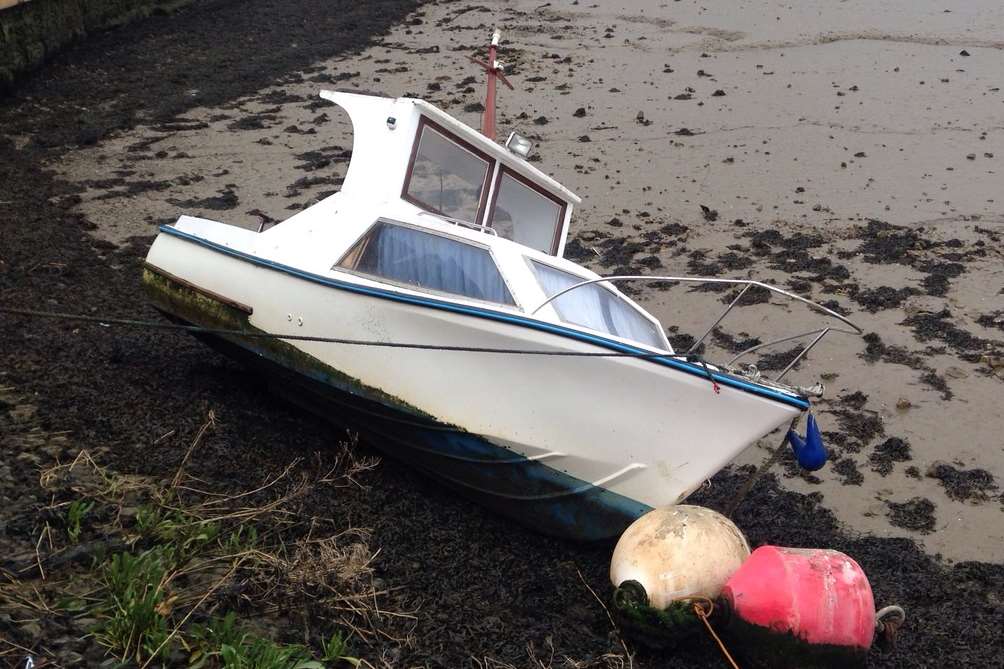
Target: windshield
<point x="446" y="177"/>
<point x="596" y="307"/>
<point x="526" y="215"/>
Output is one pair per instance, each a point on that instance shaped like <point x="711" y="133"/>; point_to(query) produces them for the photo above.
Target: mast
<point x="494" y="68"/>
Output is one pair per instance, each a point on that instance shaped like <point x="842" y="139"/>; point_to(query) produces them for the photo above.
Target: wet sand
<point x="797" y="126"/>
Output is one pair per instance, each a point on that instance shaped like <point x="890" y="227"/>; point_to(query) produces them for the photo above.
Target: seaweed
<point x="889" y="451"/>
<point x="915" y="514"/>
<point x="963" y="484"/>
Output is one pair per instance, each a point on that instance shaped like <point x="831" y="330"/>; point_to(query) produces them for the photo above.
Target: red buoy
<point x="795" y="607"/>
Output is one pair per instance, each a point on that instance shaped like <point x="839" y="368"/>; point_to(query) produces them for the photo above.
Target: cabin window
<point x="446" y="175"/>
<point x="526" y="215"/>
<point x="427" y="261"/>
<point x="596" y="307"/>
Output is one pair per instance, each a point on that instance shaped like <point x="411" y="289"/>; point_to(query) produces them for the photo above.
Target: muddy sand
<point x="845" y="152"/>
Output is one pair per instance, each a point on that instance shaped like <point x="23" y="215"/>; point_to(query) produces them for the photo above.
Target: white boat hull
<point x="578" y="433"/>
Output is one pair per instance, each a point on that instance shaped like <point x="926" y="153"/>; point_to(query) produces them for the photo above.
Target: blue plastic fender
<point x="809" y="452"/>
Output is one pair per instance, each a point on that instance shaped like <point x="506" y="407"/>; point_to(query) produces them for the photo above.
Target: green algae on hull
<point x="201" y="309"/>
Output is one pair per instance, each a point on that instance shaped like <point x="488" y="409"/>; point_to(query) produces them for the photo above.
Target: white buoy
<point x="679" y="551"/>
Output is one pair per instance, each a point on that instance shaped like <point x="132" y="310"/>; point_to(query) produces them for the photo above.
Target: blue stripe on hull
<point x="515" y="319"/>
<point x="527" y="491"/>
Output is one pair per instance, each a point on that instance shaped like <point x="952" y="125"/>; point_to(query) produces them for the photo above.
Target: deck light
<point x="519" y="144"/>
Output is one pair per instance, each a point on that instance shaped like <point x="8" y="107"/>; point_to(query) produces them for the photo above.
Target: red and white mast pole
<point x="494" y="69"/>
<point x="488" y="120"/>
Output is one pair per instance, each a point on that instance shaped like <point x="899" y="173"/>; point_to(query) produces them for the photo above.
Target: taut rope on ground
<point x="197" y="329"/>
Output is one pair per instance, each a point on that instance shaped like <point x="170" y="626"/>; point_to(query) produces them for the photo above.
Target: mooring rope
<point x="703" y="615"/>
<point x="703" y="608"/>
<point x="197" y="329"/>
<point x="767" y="464"/>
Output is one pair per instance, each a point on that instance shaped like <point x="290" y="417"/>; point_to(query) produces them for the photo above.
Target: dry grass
<point x="332" y="563"/>
<point x="258" y="549"/>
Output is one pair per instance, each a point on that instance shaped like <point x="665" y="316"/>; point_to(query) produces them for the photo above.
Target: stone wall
<point x="32" y="30"/>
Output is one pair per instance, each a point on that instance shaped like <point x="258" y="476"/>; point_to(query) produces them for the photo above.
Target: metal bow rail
<point x="818" y="333"/>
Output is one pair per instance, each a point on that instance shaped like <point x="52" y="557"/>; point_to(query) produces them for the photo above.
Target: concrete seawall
<point x="32" y="30"/>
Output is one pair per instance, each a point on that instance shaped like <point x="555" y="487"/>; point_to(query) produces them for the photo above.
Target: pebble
<point x="70" y="658"/>
<point x="994" y="362"/>
<point x="956" y="373"/>
<point x="94" y="654"/>
<point x="31" y="630"/>
<point x="84" y="624"/>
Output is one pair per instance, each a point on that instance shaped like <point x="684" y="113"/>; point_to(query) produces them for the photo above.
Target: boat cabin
<point x="419" y="153"/>
<point x="431" y="207"/>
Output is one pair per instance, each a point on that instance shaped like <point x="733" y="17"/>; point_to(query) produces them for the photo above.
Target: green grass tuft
<point x="133" y="624"/>
<point x="75" y="514"/>
<point x="222" y="642"/>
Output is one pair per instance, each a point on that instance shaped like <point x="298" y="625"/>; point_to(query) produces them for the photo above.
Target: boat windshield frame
<point x="502" y="170"/>
<point x="490" y="167"/>
<point x="497" y="168"/>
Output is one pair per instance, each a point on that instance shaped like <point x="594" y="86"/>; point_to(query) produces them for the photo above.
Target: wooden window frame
<point x="497" y="187"/>
<point x="424" y="122"/>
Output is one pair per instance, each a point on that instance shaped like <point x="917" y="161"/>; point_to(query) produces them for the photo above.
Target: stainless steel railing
<point x="818" y="333"/>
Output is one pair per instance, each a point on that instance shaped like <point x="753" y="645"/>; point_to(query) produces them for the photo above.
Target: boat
<point x="428" y="305"/>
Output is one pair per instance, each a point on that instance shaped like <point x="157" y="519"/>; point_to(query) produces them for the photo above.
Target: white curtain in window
<point x="580" y="306"/>
<point x="595" y="307"/>
<point x="431" y="261"/>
